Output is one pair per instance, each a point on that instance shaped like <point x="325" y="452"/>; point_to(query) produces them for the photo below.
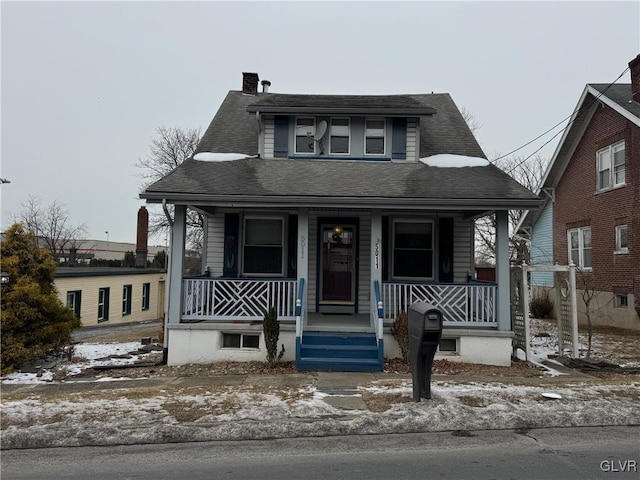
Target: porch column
<point x="303" y="252"/>
<point x="502" y="270"/>
<point x="376" y="252"/>
<point x="176" y="261"/>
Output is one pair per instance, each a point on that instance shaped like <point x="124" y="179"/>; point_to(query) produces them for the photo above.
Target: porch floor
<point x="325" y="322"/>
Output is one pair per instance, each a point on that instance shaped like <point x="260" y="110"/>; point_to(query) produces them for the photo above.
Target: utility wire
<point x="573" y="114"/>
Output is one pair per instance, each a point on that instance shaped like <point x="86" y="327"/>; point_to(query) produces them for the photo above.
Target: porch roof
<point x="287" y="182"/>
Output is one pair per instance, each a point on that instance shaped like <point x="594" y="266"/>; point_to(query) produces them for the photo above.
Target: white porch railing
<point x="469" y="304"/>
<point x="237" y="299"/>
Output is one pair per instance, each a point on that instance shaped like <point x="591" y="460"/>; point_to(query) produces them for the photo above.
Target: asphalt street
<point x="568" y="453"/>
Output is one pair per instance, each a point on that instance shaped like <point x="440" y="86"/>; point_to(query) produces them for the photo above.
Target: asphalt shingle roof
<point x="407" y="104"/>
<point x="335" y="178"/>
<point x="234" y="129"/>
<point x="619" y="93"/>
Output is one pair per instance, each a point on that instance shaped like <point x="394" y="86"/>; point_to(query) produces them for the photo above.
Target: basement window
<point x="448" y="345"/>
<point x="240" y="340"/>
<point x="622" y="301"/>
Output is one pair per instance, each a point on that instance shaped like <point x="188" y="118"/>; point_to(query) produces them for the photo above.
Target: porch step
<point x="339" y="338"/>
<point x="342" y="352"/>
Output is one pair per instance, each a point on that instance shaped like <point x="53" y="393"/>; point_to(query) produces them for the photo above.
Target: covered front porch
<point x="334" y="287"/>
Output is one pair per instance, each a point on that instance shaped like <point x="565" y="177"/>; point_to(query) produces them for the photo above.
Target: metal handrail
<point x="299" y="309"/>
<point x="378" y="311"/>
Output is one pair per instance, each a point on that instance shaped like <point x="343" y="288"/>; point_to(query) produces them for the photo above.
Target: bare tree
<point x="52" y="225"/>
<point x="470" y="117"/>
<point x="169" y="149"/>
<point x="587" y="289"/>
<point x="528" y="172"/>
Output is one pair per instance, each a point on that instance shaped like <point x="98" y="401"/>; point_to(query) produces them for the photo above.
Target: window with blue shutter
<point x="399" y="138"/>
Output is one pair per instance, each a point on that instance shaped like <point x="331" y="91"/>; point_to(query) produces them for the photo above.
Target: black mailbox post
<point x="425" y="330"/>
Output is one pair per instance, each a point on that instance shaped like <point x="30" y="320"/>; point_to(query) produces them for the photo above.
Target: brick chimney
<point x="142" y="238"/>
<point x="250" y="82"/>
<point x="634" y="66"/>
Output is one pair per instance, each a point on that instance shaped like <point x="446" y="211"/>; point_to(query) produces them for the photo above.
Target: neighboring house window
<point x="305" y="131"/>
<point x="374" y="137"/>
<point x="622" y="301"/>
<point x="146" y="292"/>
<point x="622" y="242"/>
<point x="103" y="304"/>
<point x="579" y="240"/>
<point x="240" y="340"/>
<point x="339" y="136"/>
<point x="263" y="246"/>
<point x="413" y="249"/>
<point x="74" y="299"/>
<point x="611" y="166"/>
<point x="126" y="299"/>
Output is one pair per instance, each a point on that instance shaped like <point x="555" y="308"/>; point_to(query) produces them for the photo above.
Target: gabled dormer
<point x="339" y="127"/>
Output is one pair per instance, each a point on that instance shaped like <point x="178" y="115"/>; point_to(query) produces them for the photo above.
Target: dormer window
<point x="305" y="131"/>
<point x="374" y="137"/>
<point x="339" y="136"/>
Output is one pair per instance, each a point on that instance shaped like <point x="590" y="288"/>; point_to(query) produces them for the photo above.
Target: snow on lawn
<point x="86" y="355"/>
<point x="167" y="412"/>
<point x="125" y="416"/>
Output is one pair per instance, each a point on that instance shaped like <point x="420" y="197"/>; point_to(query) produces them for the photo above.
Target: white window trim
<point x="619" y="249"/>
<point x="295" y="136"/>
<point x="104" y="292"/>
<point x="612" y="176"/>
<point x="580" y="248"/>
<point x="282" y="245"/>
<point x="393" y="248"/>
<point x="146" y="294"/>
<point x="384" y="137"/>
<point x="127" y="294"/>
<point x="348" y="134"/>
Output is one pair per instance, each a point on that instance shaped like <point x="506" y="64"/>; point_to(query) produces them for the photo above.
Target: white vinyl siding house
<point x="324" y="218"/>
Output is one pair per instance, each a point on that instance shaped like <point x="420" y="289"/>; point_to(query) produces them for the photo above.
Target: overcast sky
<point x="85" y="84"/>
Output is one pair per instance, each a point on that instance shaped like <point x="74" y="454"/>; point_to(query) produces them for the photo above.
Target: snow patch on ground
<point x="85" y="356"/>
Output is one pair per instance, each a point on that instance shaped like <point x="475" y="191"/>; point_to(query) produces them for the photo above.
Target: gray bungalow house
<point x="340" y="211"/>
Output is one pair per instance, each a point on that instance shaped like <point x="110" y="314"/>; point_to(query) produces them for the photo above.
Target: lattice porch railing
<point x="462" y="305"/>
<point x="237" y="299"/>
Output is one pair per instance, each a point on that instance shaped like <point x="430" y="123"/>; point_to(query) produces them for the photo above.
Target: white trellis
<point x="565" y="301"/>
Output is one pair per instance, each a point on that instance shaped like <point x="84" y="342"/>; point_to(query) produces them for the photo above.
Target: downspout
<point x="165" y="344"/>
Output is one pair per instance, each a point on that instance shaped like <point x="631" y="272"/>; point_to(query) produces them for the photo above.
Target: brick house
<point x="591" y="214"/>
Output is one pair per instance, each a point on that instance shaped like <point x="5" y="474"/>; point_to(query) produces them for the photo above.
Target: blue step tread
<point x="347" y="351"/>
<point x="313" y="338"/>
<point x="340" y="364"/>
